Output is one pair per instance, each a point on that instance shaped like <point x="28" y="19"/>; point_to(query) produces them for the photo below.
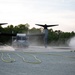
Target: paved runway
<point x="37" y="63"/>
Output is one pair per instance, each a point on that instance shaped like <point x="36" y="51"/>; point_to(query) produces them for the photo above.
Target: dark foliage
<point x="54" y="37"/>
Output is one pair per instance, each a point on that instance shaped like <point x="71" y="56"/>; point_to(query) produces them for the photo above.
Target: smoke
<point x="6" y="47"/>
<point x="36" y="41"/>
<point x="71" y="42"/>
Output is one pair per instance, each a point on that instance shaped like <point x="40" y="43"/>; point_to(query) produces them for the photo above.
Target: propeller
<point x="3" y="23"/>
<point x="47" y="25"/>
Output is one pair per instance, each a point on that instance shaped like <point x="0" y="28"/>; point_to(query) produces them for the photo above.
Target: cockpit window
<point x="18" y="38"/>
<point x="21" y="38"/>
<point x="24" y="38"/>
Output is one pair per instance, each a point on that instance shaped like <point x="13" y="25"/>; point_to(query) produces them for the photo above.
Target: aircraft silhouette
<point x="3" y="23"/>
<point x="46" y="32"/>
<point x="6" y="34"/>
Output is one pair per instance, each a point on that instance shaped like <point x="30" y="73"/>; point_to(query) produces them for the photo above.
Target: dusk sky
<point x="33" y="12"/>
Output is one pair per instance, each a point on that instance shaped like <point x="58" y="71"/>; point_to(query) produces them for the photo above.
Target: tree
<point x="35" y="30"/>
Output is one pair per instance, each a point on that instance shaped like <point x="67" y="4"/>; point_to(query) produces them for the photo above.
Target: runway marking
<point x="38" y="61"/>
<point x="9" y="60"/>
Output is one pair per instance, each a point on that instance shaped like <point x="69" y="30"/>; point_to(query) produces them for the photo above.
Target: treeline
<point x="21" y="28"/>
<point x="56" y="37"/>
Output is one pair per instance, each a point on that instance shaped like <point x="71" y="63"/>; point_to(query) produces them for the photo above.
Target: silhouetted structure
<point x="46" y="31"/>
<point x="3" y="23"/>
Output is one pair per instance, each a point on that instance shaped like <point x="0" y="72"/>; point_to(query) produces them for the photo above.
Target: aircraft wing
<point x="3" y="23"/>
<point x="7" y="34"/>
<point x="41" y="34"/>
<point x="14" y="34"/>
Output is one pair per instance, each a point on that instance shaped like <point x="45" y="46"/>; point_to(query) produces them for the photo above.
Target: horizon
<point x="37" y="27"/>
